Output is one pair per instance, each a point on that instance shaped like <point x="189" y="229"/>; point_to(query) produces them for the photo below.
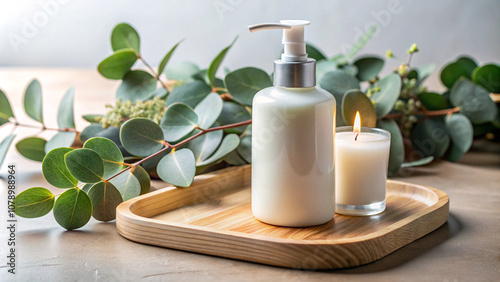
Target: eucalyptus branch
<point x="426" y="113"/>
<point x="155" y="74"/>
<point x="168" y="145"/>
<point x="16" y="124"/>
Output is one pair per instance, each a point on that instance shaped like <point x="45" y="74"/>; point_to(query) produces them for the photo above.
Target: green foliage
<point x="5" y="109"/>
<point x="474" y="101"/>
<point x="34" y="202"/>
<point x="118" y="64"/>
<point x="190" y="93"/>
<point x="33" y="101"/>
<point x="73" y="209"/>
<point x="164" y="61"/>
<point x="181" y="71"/>
<point x="461" y="134"/>
<point x="229" y="143"/>
<point x="32" y="148"/>
<point x="85" y="165"/>
<point x="109" y="153"/>
<point x="354" y="101"/>
<point x="368" y="67"/>
<point x="177" y="168"/>
<point x="178" y="121"/>
<point x="65" y="116"/>
<point x="123" y="37"/>
<point x="244" y="83"/>
<point x="141" y="137"/>
<point x="105" y="198"/>
<point x="208" y="110"/>
<point x="488" y="76"/>
<point x="397" y="150"/>
<point x="4" y="147"/>
<point x="462" y="67"/>
<point x="55" y="171"/>
<point x="214" y="66"/>
<point x="386" y="97"/>
<point x="430" y="137"/>
<point x="205" y="145"/>
<point x="60" y="139"/>
<point x="338" y="83"/>
<point x="136" y="85"/>
<point x="152" y="109"/>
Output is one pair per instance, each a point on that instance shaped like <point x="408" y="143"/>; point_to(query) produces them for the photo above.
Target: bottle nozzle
<point x="293" y="38"/>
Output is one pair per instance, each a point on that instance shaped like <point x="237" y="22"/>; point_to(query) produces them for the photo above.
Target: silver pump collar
<point x="295" y="74"/>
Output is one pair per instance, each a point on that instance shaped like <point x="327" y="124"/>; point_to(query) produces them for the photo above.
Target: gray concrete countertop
<point x="466" y="248"/>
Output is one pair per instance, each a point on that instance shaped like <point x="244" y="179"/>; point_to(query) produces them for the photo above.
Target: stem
<point x="155" y="74"/>
<point x="168" y="145"/>
<point x="409" y="60"/>
<point x="43" y="127"/>
<point x="427" y="113"/>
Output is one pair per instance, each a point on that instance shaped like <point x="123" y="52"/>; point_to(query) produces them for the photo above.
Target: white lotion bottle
<point x="293" y="131"/>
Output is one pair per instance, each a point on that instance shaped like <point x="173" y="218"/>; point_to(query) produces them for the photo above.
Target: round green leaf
<point x="33" y="105"/>
<point x="127" y="184"/>
<point x="463" y="67"/>
<point x="141" y="137"/>
<point x="369" y="67"/>
<point x="474" y="101"/>
<point x="61" y="139"/>
<point x="203" y="146"/>
<point x="397" y="150"/>
<point x="4" y="147"/>
<point x="349" y="69"/>
<point x="181" y="71"/>
<point x="190" y="93"/>
<point x="244" y="149"/>
<point x="229" y="143"/>
<point x="177" y="168"/>
<point x="165" y="59"/>
<point x="461" y="133"/>
<point x="32" y="148"/>
<point x="65" y="116"/>
<point x="136" y="85"/>
<point x="34" y="202"/>
<point x="419" y="162"/>
<point x="233" y="113"/>
<point x="430" y="137"/>
<point x="338" y="83"/>
<point x="233" y="158"/>
<point x="124" y="36"/>
<point x="208" y="110"/>
<point x="179" y="120"/>
<point x="390" y="87"/>
<point x="144" y="180"/>
<point x="323" y="67"/>
<point x="55" y="171"/>
<point x="118" y="64"/>
<point x="92" y="118"/>
<point x="215" y="64"/>
<point x="314" y="53"/>
<point x="355" y="100"/>
<point x="73" y="209"/>
<point x="488" y="76"/>
<point x="244" y="83"/>
<point x="5" y="108"/>
<point x="108" y="151"/>
<point x="85" y="165"/>
<point x="432" y="101"/>
<point x="105" y="198"/>
<point x="112" y="133"/>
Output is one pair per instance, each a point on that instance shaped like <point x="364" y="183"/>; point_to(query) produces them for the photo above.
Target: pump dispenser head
<point x="294" y="69"/>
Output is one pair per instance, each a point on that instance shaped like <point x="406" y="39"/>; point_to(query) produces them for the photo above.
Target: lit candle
<point x="361" y="160"/>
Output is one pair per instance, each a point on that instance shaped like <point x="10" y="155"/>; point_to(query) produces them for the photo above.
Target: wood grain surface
<point x="214" y="217"/>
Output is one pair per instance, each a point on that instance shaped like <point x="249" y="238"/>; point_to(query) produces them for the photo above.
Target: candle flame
<point x="357" y="123"/>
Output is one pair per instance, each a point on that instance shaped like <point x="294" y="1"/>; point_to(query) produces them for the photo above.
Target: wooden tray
<point x="214" y="217"/>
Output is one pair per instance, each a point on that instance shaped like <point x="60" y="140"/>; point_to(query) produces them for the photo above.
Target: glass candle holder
<point x="361" y="161"/>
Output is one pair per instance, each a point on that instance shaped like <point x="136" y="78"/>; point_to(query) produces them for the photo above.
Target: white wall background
<point x="75" y="33"/>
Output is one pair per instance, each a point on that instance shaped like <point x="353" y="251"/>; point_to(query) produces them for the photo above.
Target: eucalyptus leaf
<point x="204" y="146"/>
<point x="86" y="187"/>
<point x="118" y="64"/>
<point x="177" y="168"/>
<point x="65" y="116"/>
<point x="424" y="71"/>
<point x="208" y="110"/>
<point x="181" y="71"/>
<point x="338" y="83"/>
<point x="215" y="64"/>
<point x="34" y="202"/>
<point x="61" y="139"/>
<point x="144" y="180"/>
<point x="93" y="118"/>
<point x="488" y="76"/>
<point x="397" y="150"/>
<point x="244" y="149"/>
<point x="85" y="165"/>
<point x="136" y="85"/>
<point x="160" y="93"/>
<point x="165" y="59"/>
<point x="474" y="101"/>
<point x="5" y="109"/>
<point x="229" y="143"/>
<point x="128" y="185"/>
<point x="233" y="113"/>
<point x="432" y="101"/>
<point x="323" y="67"/>
<point x="109" y="152"/>
<point x="244" y="83"/>
<point x="233" y="158"/>
<point x="4" y="147"/>
<point x="190" y="93"/>
<point x="390" y="87"/>
<point x="151" y="164"/>
<point x="467" y="63"/>
<point x="141" y="137"/>
<point x="461" y="132"/>
<point x="32" y="148"/>
<point x="105" y="198"/>
<point x="368" y="67"/>
<point x="419" y="162"/>
<point x="354" y="101"/>
<point x="451" y="73"/>
<point x="73" y="209"/>
<point x="314" y="53"/>
<point x="55" y="171"/>
<point x="33" y="105"/>
<point x="125" y="37"/>
<point x="430" y="137"/>
<point x="349" y="69"/>
<point x="179" y="120"/>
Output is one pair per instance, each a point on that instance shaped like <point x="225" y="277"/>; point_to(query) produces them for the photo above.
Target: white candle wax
<point x="361" y="170"/>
